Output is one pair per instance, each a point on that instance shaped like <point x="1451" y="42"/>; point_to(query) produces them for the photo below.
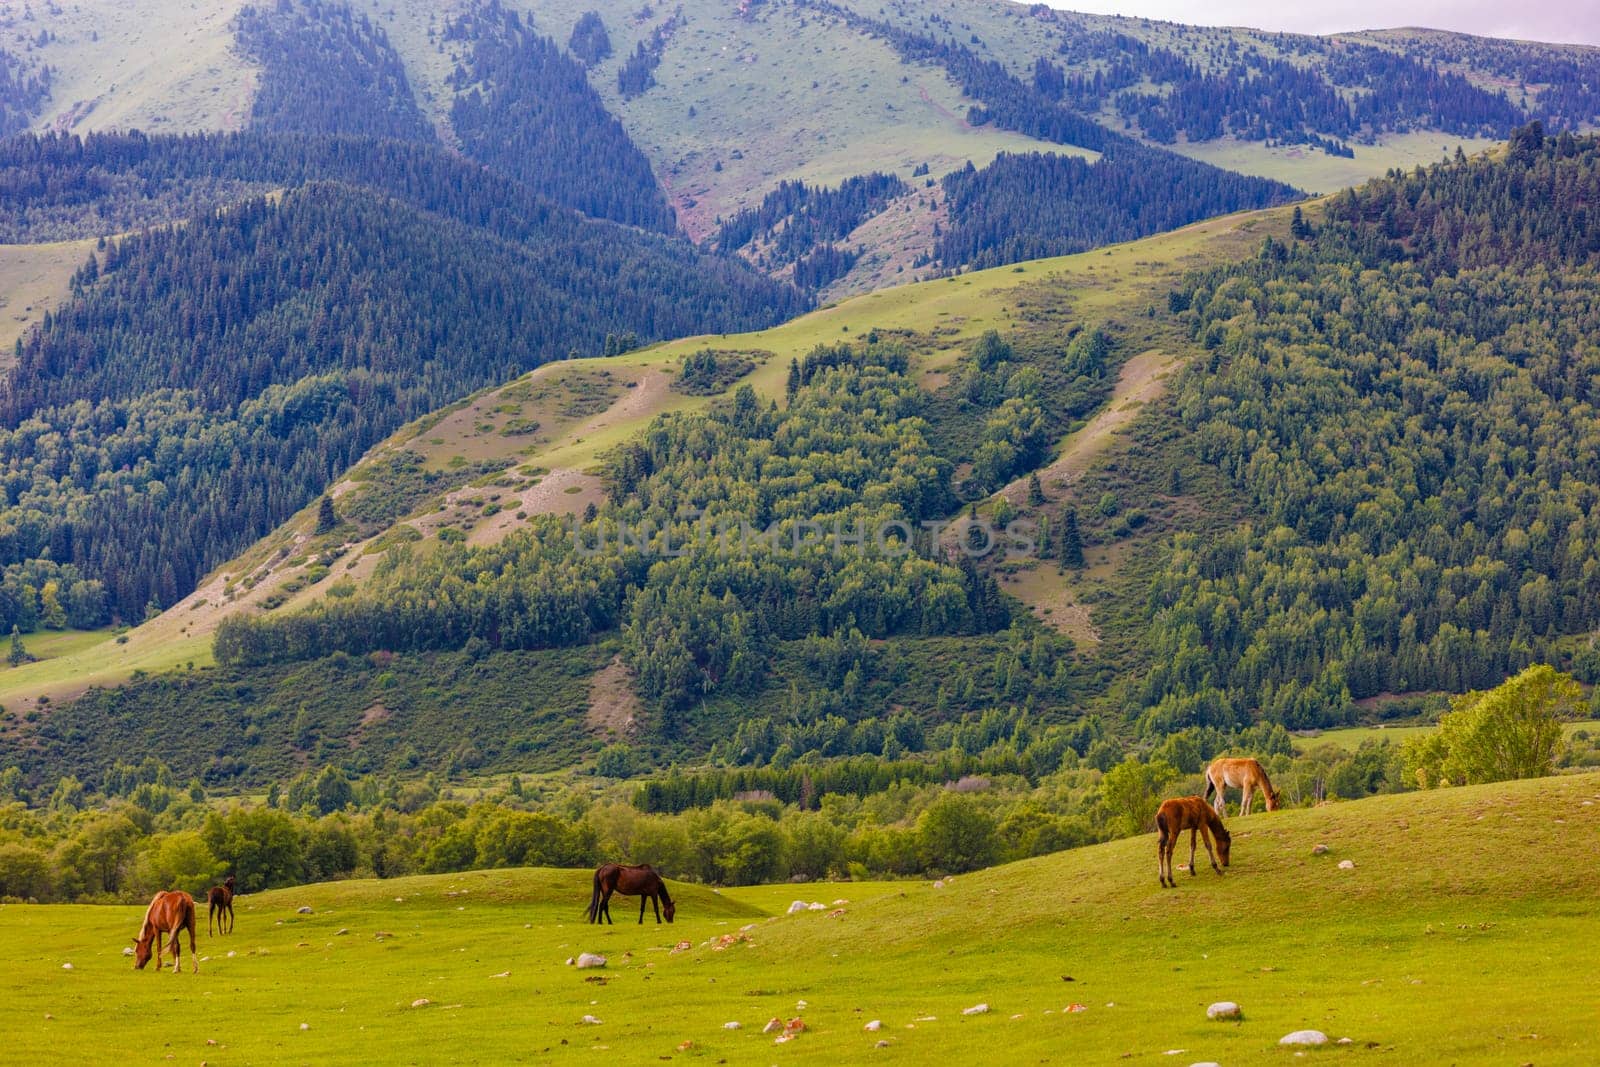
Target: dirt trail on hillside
<point x="613" y="705"/>
<point x="1051" y="595"/>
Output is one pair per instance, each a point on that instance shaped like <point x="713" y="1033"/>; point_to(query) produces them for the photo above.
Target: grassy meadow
<point x="1460" y="936"/>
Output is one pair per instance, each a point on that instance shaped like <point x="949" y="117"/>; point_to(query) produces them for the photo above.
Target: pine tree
<point x="1071" y="540"/>
<point x="794" y="378"/>
<point x="1035" y="490"/>
<point x="327" y="517"/>
<point x="19" y="654"/>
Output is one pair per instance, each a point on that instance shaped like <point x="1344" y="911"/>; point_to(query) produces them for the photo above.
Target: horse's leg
<point x="1161" y="849"/>
<point x="1191" y="852"/>
<point x="605" y="904"/>
<point x="159" y="949"/>
<point x="1248" y="795"/>
<point x="642" y="901"/>
<point x="194" y="956"/>
<point x="1206" y="833"/>
<point x="655" y="902"/>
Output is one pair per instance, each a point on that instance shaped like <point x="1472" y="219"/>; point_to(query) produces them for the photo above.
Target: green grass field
<point x="1462" y="935"/>
<point x="1354" y="737"/>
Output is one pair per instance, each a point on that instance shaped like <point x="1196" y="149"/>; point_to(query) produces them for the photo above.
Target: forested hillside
<point x="210" y="379"/>
<point x="1406" y="398"/>
<point x="326" y="70"/>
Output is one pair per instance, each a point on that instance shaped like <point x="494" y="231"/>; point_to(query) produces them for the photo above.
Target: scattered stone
<point x="590" y="959"/>
<point x="686" y="1046"/>
<point x="976" y="1009"/>
<point x="1207" y="1063"/>
<point x="682" y="946"/>
<point x="881" y="1044"/>
<point x="733" y="1026"/>
<point x="1319" y="850"/>
<point x="1345" y="1041"/>
<point x="798" y="905"/>
<point x="1304" y="1037"/>
<point x="66" y="966"/>
<point x="774" y="1024"/>
<point x="1347" y="865"/>
<point x="1224" y="1009"/>
<point x="840" y="903"/>
<point x="1073" y="1009"/>
<point x="230" y="953"/>
<point x="836" y="913"/>
<point x="502" y="974"/>
<point x="305" y="1026"/>
<point x="816" y="905"/>
<point x="304" y="909"/>
<point x="341" y="931"/>
<point x="874" y="1026"/>
<point x="589" y="1020"/>
<point x="938" y="885"/>
<point x="421" y="1002"/>
<point x="211" y="1041"/>
<point x="801" y="1005"/>
<point x="48" y="1016"/>
<point x="127" y="950"/>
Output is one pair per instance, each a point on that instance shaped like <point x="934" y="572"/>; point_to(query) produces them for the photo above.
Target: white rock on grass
<point x="304" y="909"/>
<point x="1304" y="1037"/>
<point x="66" y="966"/>
<point x="305" y="1026"/>
<point x="976" y="1009"/>
<point x="874" y="1026"/>
<point x="1207" y="1063"/>
<point x="421" y="1002"/>
<point x="1347" y="865"/>
<point x="127" y="950"/>
<point x="797" y="906"/>
<point x="590" y="959"/>
<point x="590" y="1020"/>
<point x="1319" y="850"/>
<point x="732" y="1026"/>
<point x="1224" y="1009"/>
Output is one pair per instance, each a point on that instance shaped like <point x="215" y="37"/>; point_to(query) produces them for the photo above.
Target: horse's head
<point x="228" y="881"/>
<point x="141" y="952"/>
<point x="1224" y="842"/>
<point x="669" y="909"/>
<point x="1272" y="800"/>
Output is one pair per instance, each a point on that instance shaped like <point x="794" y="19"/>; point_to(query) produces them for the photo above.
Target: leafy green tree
<point x="957" y="835"/>
<point x="1131" y="792"/>
<point x="1511" y="731"/>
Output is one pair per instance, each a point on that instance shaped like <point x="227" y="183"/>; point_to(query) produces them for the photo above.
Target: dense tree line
<point x="1033" y="205"/>
<point x="24" y="87"/>
<point x="589" y="41"/>
<point x="795" y="217"/>
<point x="526" y="108"/>
<point x="1406" y="398"/>
<point x="211" y="379"/>
<point x="326" y="70"/>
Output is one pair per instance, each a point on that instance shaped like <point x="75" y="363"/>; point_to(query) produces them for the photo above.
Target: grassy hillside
<point x="33" y="280"/>
<point x="1459" y="936"/>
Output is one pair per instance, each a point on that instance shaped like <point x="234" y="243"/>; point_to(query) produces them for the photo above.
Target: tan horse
<point x="170" y="912"/>
<point x="641" y="881"/>
<point x="1194" y="815"/>
<point x="1242" y="774"/>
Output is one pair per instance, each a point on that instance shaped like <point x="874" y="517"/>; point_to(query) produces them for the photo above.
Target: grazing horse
<point x="220" y="905"/>
<point x="640" y="881"/>
<point x="1242" y="774"/>
<point x="1194" y="815"/>
<point x="170" y="912"/>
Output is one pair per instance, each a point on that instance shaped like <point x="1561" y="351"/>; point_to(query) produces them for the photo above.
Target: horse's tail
<point x="1211" y="787"/>
<point x="594" y="898"/>
<point x="1161" y="823"/>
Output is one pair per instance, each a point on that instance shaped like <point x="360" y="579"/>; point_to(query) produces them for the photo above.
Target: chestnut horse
<point x="220" y="905"/>
<point x="1242" y="774"/>
<point x="170" y="912"/>
<point x="1194" y="815"/>
<point x="640" y="881"/>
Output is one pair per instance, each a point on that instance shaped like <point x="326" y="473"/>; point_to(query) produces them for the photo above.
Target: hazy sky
<point x="1535" y="20"/>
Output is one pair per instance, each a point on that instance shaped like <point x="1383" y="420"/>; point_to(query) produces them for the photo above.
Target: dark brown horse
<point x="220" y="906"/>
<point x="640" y="881"/>
<point x="170" y="912"/>
<point x="1196" y="816"/>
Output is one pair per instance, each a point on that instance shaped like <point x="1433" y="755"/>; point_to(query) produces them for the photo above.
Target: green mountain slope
<point x="1459" y="900"/>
